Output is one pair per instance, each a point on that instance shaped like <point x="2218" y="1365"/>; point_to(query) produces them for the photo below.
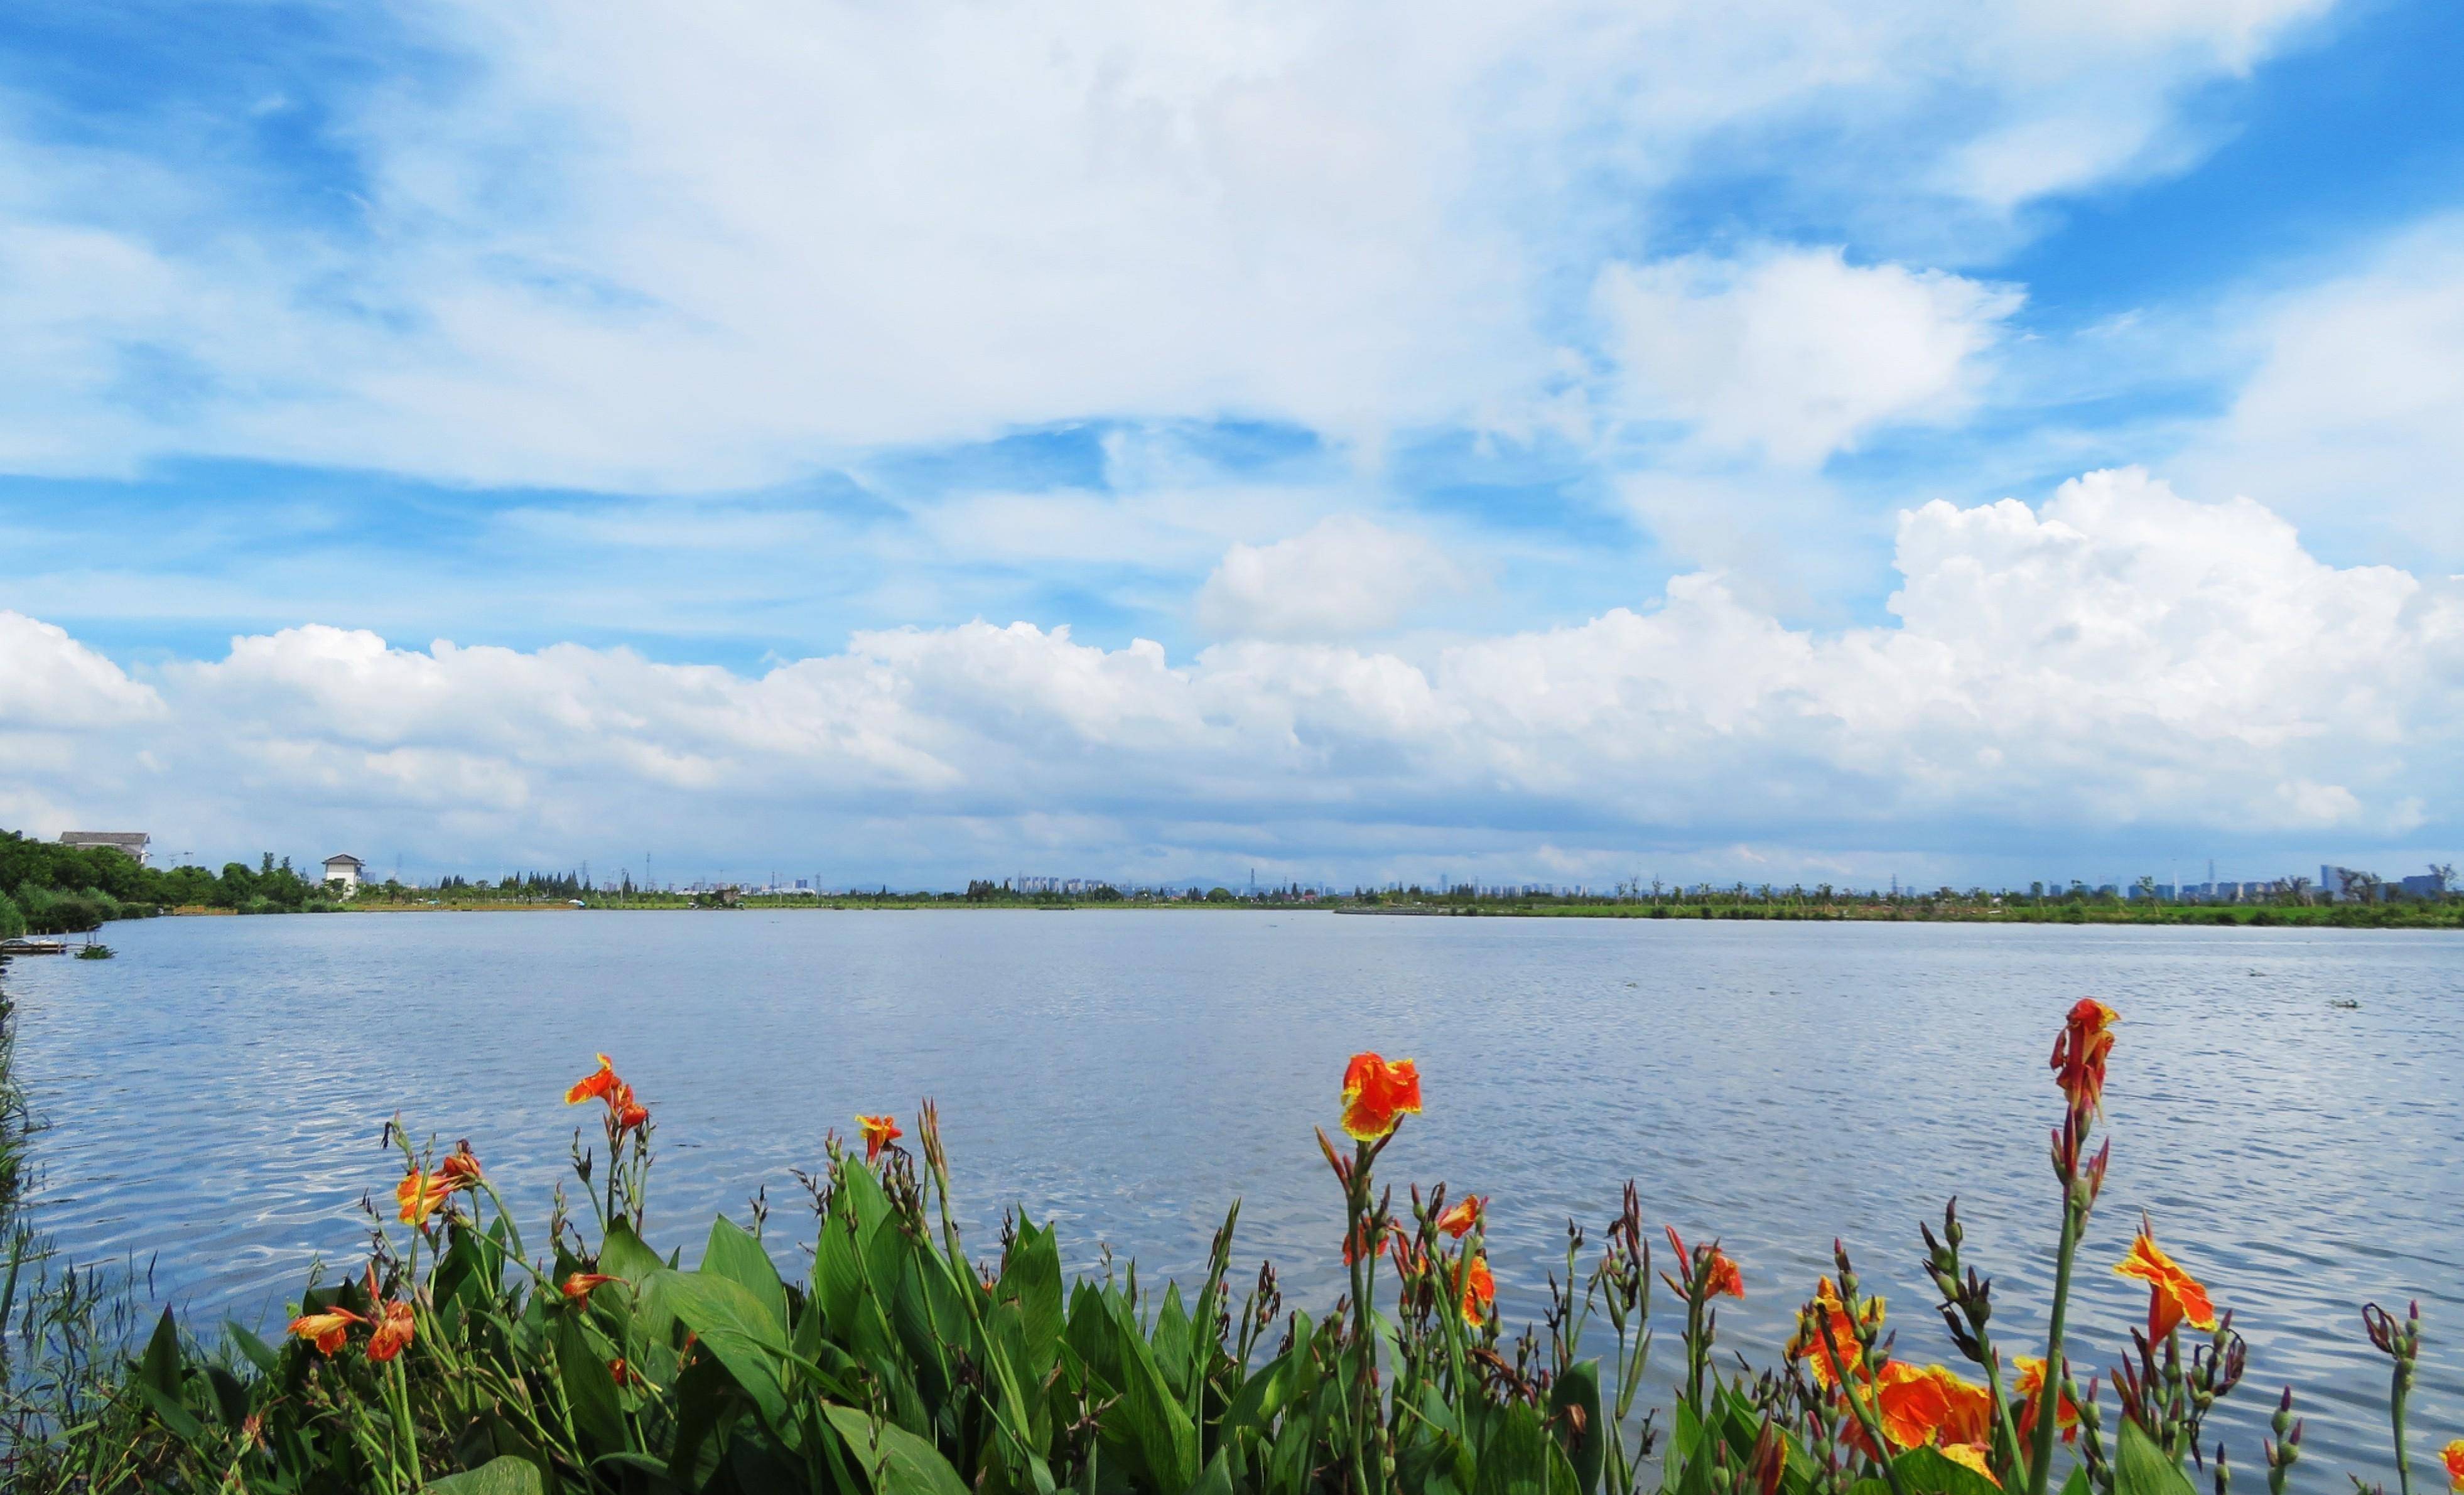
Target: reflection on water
<point x="216" y="1097"/>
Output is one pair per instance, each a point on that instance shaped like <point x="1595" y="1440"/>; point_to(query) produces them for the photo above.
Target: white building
<point x="346" y="870"/>
<point x="131" y="844"/>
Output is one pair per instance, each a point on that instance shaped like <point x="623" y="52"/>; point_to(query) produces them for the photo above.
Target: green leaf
<point x="1516" y="1458"/>
<point x="589" y="1386"/>
<point x="161" y="1376"/>
<point x="259" y="1353"/>
<point x="734" y="1255"/>
<point x="505" y="1476"/>
<point x="1159" y="1428"/>
<point x="1929" y="1471"/>
<point x="2140" y="1468"/>
<point x="1578" y="1391"/>
<point x="900" y="1463"/>
<point x="1031" y="1277"/>
<point x="622" y="1254"/>
<point x="735" y="1327"/>
<point x="1217" y="1480"/>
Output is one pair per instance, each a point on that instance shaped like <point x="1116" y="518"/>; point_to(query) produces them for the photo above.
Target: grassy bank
<point x="897" y="1359"/>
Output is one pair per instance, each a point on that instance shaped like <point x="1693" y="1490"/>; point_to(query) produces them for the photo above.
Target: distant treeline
<point x="48" y="889"/>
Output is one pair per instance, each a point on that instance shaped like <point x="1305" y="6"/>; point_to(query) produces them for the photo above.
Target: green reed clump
<point x="897" y="1361"/>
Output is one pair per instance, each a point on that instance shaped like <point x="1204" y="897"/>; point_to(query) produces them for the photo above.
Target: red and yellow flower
<point x="1826" y="1318"/>
<point x="1460" y="1220"/>
<point x="460" y="1168"/>
<point x="578" y="1287"/>
<point x="2453" y="1454"/>
<point x="393" y="1332"/>
<point x="1480" y="1291"/>
<point x="1970" y="1456"/>
<point x="2080" y="1052"/>
<point x="326" y="1329"/>
<point x="2173" y="1295"/>
<point x="1721" y="1278"/>
<point x="1378" y="1095"/>
<point x="623" y="1111"/>
<point x="879" y="1131"/>
<point x="596" y="1086"/>
<point x="421" y="1195"/>
<point x="2031" y="1386"/>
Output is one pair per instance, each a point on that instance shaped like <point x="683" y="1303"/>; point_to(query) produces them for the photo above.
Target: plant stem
<point x="2040" y="1458"/>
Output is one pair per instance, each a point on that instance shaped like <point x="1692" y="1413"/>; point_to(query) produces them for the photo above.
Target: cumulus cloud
<point x="1341" y="578"/>
<point x="1795" y="353"/>
<point x="2119" y="659"/>
<point x="693" y="249"/>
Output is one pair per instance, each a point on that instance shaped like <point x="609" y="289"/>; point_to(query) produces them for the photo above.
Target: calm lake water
<point x="216" y="1097"/>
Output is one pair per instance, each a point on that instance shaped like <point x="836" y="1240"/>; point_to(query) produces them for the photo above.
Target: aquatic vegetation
<point x="897" y="1361"/>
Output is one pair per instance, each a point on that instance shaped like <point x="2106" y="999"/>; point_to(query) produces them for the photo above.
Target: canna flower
<point x="1970" y="1455"/>
<point x="1377" y="1233"/>
<point x="2453" y="1454"/>
<point x="2032" y="1385"/>
<point x="1480" y="1290"/>
<point x="393" y="1332"/>
<point x="1969" y="1419"/>
<point x="421" y="1195"/>
<point x="1912" y="1404"/>
<point x="1459" y="1221"/>
<point x="594" y="1087"/>
<point x="1826" y="1317"/>
<point x="879" y="1131"/>
<point x="1376" y="1095"/>
<point x="625" y="1374"/>
<point x="2173" y="1295"/>
<point x="326" y="1330"/>
<point x="1721" y="1278"/>
<point x="631" y="1114"/>
<point x="460" y="1168"/>
<point x="2079" y="1054"/>
<point x="580" y="1285"/>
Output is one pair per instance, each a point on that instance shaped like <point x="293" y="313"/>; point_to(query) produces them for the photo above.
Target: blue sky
<point x="1541" y="442"/>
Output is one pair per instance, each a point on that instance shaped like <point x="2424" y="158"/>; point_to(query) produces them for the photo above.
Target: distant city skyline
<point x="1803" y="441"/>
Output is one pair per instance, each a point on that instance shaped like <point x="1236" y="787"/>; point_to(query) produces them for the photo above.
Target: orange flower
<point x="421" y="1195"/>
<point x="1459" y="1221"/>
<point x="625" y="1374"/>
<point x="2173" y="1295"/>
<point x="392" y="1334"/>
<point x="2079" y="1054"/>
<point x="579" y="1286"/>
<point x="879" y="1131"/>
<point x="1827" y="1318"/>
<point x="2032" y="1385"/>
<point x="1970" y="1418"/>
<point x="629" y="1113"/>
<point x="2453" y="1454"/>
<point x="1352" y="1242"/>
<point x="1724" y="1280"/>
<point x="327" y="1329"/>
<point x="1376" y="1095"/>
<point x="460" y="1169"/>
<point x="1912" y="1404"/>
<point x="1480" y="1290"/>
<point x="1970" y="1455"/>
<point x="593" y="1087"/>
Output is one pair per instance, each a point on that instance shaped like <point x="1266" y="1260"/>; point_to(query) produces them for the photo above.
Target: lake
<point x="215" y="1098"/>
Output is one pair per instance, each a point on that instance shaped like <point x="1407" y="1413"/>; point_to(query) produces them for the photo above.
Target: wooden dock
<point x="33" y="947"/>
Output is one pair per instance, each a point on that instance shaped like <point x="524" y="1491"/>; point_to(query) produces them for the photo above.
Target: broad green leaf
<point x="589" y="1386"/>
<point x="1928" y="1471"/>
<point x="160" y="1375"/>
<point x="2140" y="1467"/>
<point x="1217" y="1480"/>
<point x="258" y="1352"/>
<point x="505" y="1476"/>
<point x="621" y="1253"/>
<point x="1156" y="1427"/>
<point x="899" y="1462"/>
<point x="1515" y="1462"/>
<point x="1578" y="1391"/>
<point x="735" y="1327"/>
<point x="734" y="1254"/>
<point x="1031" y="1277"/>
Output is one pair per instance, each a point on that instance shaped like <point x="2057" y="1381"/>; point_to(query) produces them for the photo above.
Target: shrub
<point x="13" y="919"/>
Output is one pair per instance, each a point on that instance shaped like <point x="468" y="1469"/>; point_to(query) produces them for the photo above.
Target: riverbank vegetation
<point x="48" y="889"/>
<point x="898" y="1358"/>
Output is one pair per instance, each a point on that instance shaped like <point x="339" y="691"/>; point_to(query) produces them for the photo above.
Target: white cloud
<point x="2353" y="420"/>
<point x="693" y="248"/>
<point x="1341" y="578"/>
<point x="51" y="682"/>
<point x="2120" y="660"/>
<point x="1795" y="353"/>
